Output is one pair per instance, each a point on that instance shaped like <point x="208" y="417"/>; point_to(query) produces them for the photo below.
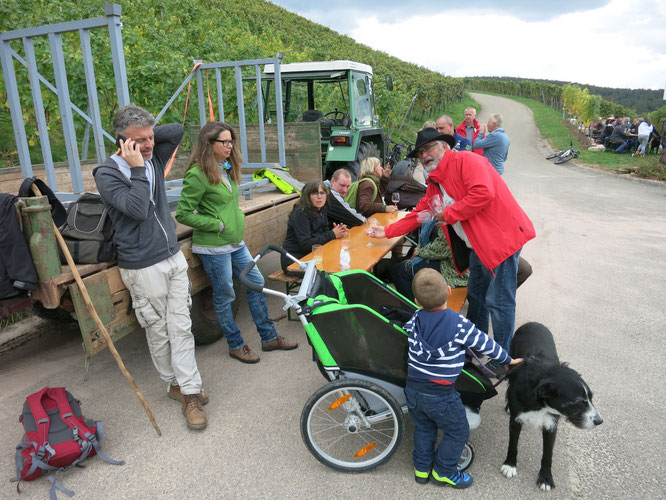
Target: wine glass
<point x="395" y="197"/>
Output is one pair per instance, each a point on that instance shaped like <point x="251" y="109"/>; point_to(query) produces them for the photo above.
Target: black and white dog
<point x="541" y="390"/>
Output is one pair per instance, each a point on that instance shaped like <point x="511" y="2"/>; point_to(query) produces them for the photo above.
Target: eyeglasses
<point x="319" y="193"/>
<point x="226" y="144"/>
<point x="427" y="148"/>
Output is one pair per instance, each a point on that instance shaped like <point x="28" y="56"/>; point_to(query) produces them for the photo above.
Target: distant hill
<point x="642" y="100"/>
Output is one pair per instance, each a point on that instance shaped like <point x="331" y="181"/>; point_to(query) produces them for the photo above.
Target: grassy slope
<point x="551" y="126"/>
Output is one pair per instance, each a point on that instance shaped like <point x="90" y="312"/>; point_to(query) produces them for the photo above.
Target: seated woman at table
<point x="370" y="195"/>
<point x="308" y="224"/>
<point x="209" y="204"/>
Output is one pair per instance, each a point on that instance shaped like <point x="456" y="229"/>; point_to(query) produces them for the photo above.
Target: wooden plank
<point x="99" y="292"/>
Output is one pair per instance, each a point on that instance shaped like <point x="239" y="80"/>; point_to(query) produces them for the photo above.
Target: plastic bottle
<point x="345" y="260"/>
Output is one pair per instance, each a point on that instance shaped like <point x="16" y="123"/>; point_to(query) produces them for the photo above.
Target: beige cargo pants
<point x="161" y="300"/>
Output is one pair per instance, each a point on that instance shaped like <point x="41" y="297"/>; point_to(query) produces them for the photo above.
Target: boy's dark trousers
<point x="429" y="413"/>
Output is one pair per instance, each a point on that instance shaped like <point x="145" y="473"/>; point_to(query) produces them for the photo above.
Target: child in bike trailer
<point x="437" y="340"/>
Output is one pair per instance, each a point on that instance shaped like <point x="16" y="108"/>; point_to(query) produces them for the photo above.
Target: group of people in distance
<point x="480" y="232"/>
<point x="626" y="135"/>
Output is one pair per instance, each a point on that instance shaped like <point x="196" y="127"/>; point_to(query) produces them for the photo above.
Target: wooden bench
<point x="457" y="298"/>
<point x="290" y="283"/>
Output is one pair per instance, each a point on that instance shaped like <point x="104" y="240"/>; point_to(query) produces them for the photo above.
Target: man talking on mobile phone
<point x="154" y="270"/>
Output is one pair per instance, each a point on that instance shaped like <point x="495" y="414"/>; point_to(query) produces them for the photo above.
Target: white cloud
<point x="616" y="44"/>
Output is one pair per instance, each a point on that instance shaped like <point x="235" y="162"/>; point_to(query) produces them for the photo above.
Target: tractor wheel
<point x="57" y="314"/>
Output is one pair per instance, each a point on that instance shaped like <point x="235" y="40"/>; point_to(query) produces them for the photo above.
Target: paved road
<point x="599" y="283"/>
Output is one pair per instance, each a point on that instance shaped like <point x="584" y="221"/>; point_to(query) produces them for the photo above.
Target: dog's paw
<point x="509" y="470"/>
<point x="545" y="481"/>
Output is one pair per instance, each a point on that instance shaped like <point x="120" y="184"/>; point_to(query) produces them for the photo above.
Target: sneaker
<point x="244" y="355"/>
<point x="421" y="477"/>
<point x="457" y="480"/>
<point x="174" y="393"/>
<point x="280" y="344"/>
<point x="497" y="368"/>
<point x="194" y="412"/>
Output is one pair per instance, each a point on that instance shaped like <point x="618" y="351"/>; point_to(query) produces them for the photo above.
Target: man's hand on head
<point x="131" y="153"/>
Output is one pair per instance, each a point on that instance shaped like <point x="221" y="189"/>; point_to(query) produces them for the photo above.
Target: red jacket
<point x="495" y="225"/>
<point x="460" y="129"/>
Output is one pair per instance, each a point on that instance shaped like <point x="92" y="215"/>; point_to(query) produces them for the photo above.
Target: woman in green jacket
<point x="209" y="204"/>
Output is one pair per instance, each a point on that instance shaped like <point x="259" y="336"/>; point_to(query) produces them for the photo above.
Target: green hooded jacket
<point x="205" y="208"/>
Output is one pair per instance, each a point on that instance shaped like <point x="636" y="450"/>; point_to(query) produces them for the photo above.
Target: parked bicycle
<point x="564" y="156"/>
<point x="400" y="166"/>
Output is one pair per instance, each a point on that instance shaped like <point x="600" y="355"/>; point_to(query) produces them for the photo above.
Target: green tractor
<point x="340" y="96"/>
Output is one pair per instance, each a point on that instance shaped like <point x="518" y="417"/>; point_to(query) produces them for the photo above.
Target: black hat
<point x="428" y="135"/>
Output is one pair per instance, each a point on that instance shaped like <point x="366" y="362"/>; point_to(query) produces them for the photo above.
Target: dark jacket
<point x="619" y="135"/>
<point x="462" y="144"/>
<point x="305" y="229"/>
<point x="17" y="271"/>
<point x="145" y="232"/>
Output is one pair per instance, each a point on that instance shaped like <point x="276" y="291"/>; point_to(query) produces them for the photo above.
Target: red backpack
<point x="57" y="437"/>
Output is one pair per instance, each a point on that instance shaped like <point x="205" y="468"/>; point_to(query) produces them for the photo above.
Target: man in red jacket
<point x="470" y="128"/>
<point x="484" y="226"/>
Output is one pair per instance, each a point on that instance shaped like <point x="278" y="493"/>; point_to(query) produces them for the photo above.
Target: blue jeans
<point x="622" y="147"/>
<point x="432" y="412"/>
<point x="219" y="269"/>
<point x="493" y="293"/>
<point x="402" y="274"/>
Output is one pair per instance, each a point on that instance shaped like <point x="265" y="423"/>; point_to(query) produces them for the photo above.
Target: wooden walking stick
<point x="93" y="313"/>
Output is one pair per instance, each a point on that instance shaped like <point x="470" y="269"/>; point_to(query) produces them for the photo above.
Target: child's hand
<point x="516" y="361"/>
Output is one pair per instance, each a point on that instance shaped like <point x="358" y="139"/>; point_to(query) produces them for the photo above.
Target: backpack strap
<point x="55" y="484"/>
<point x="86" y="438"/>
<point x="42" y="421"/>
<point x="82" y="433"/>
<point x="41" y="445"/>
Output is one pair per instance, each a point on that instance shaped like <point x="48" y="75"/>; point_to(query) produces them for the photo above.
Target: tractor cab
<point x="339" y="96"/>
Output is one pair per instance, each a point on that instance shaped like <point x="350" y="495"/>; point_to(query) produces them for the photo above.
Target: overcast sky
<point x="608" y="43"/>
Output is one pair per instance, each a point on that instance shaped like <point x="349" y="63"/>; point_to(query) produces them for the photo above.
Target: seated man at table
<point x="339" y="211"/>
<point x="619" y="140"/>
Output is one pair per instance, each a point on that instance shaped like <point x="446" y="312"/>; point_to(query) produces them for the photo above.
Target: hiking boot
<point x="457" y="480"/>
<point x="421" y="477"/>
<point x="194" y="412"/>
<point x="174" y="393"/>
<point x="244" y="355"/>
<point x="280" y="344"/>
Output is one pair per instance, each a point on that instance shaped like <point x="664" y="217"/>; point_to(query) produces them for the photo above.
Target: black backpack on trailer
<point x="88" y="231"/>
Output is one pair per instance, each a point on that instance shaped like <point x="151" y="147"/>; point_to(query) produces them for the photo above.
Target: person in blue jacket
<point x="494" y="142"/>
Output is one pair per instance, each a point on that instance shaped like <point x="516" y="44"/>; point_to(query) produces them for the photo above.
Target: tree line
<point x="578" y="102"/>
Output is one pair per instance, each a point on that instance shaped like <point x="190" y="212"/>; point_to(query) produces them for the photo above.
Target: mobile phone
<point x="118" y="138"/>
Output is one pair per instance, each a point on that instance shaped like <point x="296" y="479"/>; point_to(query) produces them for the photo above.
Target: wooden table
<point x="365" y="251"/>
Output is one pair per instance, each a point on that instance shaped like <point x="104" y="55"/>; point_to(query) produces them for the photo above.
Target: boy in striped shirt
<point x="437" y="340"/>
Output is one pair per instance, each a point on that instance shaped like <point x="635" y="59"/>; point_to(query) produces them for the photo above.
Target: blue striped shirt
<point x="437" y="342"/>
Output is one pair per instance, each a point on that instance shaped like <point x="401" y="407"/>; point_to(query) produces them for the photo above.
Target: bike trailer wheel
<point x="352" y="425"/>
<point x="466" y="458"/>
